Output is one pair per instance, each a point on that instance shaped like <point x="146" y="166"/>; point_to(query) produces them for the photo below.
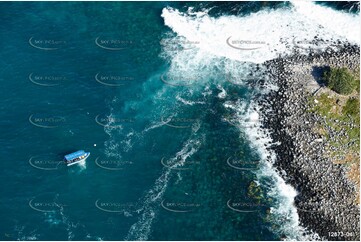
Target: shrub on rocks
<point x="340" y="80"/>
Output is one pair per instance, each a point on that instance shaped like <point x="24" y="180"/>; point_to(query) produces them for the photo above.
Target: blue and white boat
<point x="76" y="157"/>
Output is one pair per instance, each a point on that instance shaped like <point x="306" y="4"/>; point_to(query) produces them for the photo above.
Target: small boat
<point x="76" y="157"/>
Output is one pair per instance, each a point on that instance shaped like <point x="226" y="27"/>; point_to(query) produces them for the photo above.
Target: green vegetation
<point x="352" y="108"/>
<point x="356" y="74"/>
<point x="341" y="80"/>
<point x="341" y="116"/>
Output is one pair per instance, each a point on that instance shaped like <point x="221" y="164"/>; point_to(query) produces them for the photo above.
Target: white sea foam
<point x="283" y="210"/>
<point x="272" y="32"/>
<point x="339" y="23"/>
<point x="223" y="92"/>
<point x="188" y="102"/>
<point x="154" y="126"/>
<point x="142" y="228"/>
<point x="112" y="145"/>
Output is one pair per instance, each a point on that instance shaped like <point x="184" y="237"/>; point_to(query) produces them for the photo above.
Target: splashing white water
<point x="283" y="210"/>
<point x="263" y="35"/>
<point x="336" y="22"/>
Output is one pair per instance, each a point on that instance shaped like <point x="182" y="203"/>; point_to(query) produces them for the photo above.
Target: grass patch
<point x="352" y="108"/>
<point x="342" y="114"/>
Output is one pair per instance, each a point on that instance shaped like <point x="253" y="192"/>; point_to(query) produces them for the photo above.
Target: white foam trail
<point x="272" y="32"/>
<point x="141" y="229"/>
<point x="188" y="102"/>
<point x="154" y="126"/>
<point x="112" y="146"/>
<point x="96" y="238"/>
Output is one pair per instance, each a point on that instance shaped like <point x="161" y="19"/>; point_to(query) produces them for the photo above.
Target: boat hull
<point x="79" y="161"/>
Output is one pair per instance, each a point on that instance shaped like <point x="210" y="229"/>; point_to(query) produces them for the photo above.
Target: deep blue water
<point x="95" y="76"/>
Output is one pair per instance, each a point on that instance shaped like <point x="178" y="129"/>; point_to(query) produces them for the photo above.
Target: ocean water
<point x="164" y="96"/>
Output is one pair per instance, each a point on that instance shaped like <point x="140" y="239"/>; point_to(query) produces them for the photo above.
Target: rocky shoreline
<point x="326" y="201"/>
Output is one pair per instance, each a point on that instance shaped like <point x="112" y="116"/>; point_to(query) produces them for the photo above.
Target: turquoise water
<point x="169" y="158"/>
